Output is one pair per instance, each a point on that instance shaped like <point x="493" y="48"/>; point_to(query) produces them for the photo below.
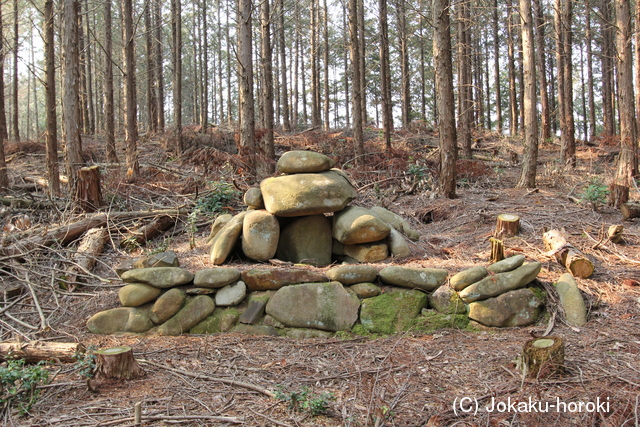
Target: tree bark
<point x="496" y="67"/>
<point x="176" y="38"/>
<point x="591" y="97"/>
<point x="118" y="363"/>
<point x="545" y="113"/>
<point x="16" y="40"/>
<point x="36" y="351"/>
<point x="267" y="87"/>
<point x="542" y="357"/>
<point x="507" y="225"/>
<point x="316" y="120"/>
<point x="152" y="102"/>
<point x="85" y="257"/>
<point x="109" y="117"/>
<point x="403" y="39"/>
<point x="357" y="90"/>
<point x="325" y="63"/>
<point x="385" y="75"/>
<point x="286" y="111"/>
<point x="607" y="48"/>
<point x="568" y="141"/>
<point x="88" y="190"/>
<point x="245" y="76"/>
<point x="91" y="113"/>
<point x="513" y="97"/>
<point x="159" y="81"/>
<point x="444" y="98"/>
<point x="630" y="210"/>
<point x="567" y="255"/>
<point x="130" y="115"/>
<point x="464" y="80"/>
<point x="53" y="167"/>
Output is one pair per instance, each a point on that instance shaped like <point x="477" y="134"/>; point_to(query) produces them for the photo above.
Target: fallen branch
<point x="35" y="351"/>
<point x="91" y="246"/>
<point x="174" y="418"/>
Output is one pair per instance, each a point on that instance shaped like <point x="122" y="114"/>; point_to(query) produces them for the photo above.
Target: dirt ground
<point x="446" y="377"/>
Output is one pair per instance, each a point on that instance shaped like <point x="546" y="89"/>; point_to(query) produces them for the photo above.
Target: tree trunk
<point x="245" y="76"/>
<point x="385" y="75"/>
<point x="530" y="157"/>
<point x="608" y="93"/>
<point x="575" y="262"/>
<point x="325" y="62"/>
<point x="85" y="257"/>
<point x="73" y="143"/>
<point x="118" y="363"/>
<point x="159" y="81"/>
<point x="363" y="69"/>
<point x="313" y="64"/>
<point x="592" y="103"/>
<point x="403" y="39"/>
<point x="444" y="97"/>
<point x="464" y="80"/>
<point x="91" y="113"/>
<point x="513" y="97"/>
<point x="88" y="189"/>
<point x="630" y="210"/>
<point x="109" y="115"/>
<point x="53" y="168"/>
<point x="357" y="90"/>
<point x="507" y="225"/>
<point x="286" y="111"/>
<point x="267" y="87"/>
<point x="36" y="351"/>
<point x="16" y="40"/>
<point x="130" y="114"/>
<point x="545" y="113"/>
<point x="627" y="166"/>
<point x="176" y="37"/>
<point x="496" y="67"/>
<point x="152" y="102"/>
<point x="568" y="141"/>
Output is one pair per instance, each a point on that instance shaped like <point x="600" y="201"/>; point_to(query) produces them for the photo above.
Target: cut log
<point x="90" y="247"/>
<point x="542" y="357"/>
<point x="35" y="351"/>
<point x="618" y="195"/>
<point x="630" y="210"/>
<point x="147" y="232"/>
<point x="68" y="233"/>
<point x="118" y="363"/>
<point x="567" y="255"/>
<point x="615" y="233"/>
<point x="88" y="192"/>
<point x="497" y="250"/>
<point x="507" y="225"/>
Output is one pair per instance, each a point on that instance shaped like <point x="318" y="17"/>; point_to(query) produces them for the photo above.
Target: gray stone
<point x="391" y="312"/>
<point x="398" y="246"/>
<point x="231" y="294"/>
<point x="218" y="225"/>
<point x="365" y="290"/>
<point x="575" y="311"/>
<point x="461" y="280"/>
<point x="160" y="277"/>
<point x="253" y="198"/>
<point x="355" y="225"/>
<point x="199" y="291"/>
<point x="216" y="277"/>
<point x="190" y="315"/>
<point x="507" y="264"/>
<point x="120" y="320"/>
<point x="426" y="279"/>
<point x="306" y="238"/>
<point x="167" y="305"/>
<point x="515" y="308"/>
<point x="124" y="266"/>
<point x="300" y="161"/>
<point x="255" y="330"/>
<point x="271" y="321"/>
<point x="445" y="300"/>
<point x="260" y="235"/>
<point x="223" y="243"/>
<point x="367" y="252"/>
<point x="500" y="283"/>
<point x="162" y="259"/>
<point x="253" y="312"/>
<point x="326" y="306"/>
<point x="222" y="320"/>
<point x="337" y="248"/>
<point x="136" y="294"/>
<point x="258" y="279"/>
<point x="352" y="274"/>
<point x="396" y="221"/>
<point x="305" y="333"/>
<point x="306" y="193"/>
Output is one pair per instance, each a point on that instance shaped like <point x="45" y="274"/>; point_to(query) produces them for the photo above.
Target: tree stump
<point x="507" y="225"/>
<point x="575" y="262"/>
<point x="497" y="250"/>
<point x="88" y="191"/>
<point x="630" y="210"/>
<point x="615" y="233"/>
<point x="542" y="357"/>
<point x="118" y="363"/>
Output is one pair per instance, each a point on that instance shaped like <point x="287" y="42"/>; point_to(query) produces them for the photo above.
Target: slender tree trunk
<point x="444" y="97"/>
<point x="286" y="113"/>
<point x="347" y="76"/>
<point x="4" y="176"/>
<point x="591" y="97"/>
<point x="176" y="36"/>
<point x="496" y="67"/>
<point x="385" y="79"/>
<point x="53" y="167"/>
<point x="152" y="101"/>
<point x="204" y="101"/>
<point x="325" y="61"/>
<point x="73" y="142"/>
<point x="513" y="97"/>
<point x="109" y="116"/>
<point x="82" y="58"/>
<point x="627" y="166"/>
<point x="245" y="73"/>
<point x="464" y="80"/>
<point x="354" y="50"/>
<point x="362" y="59"/>
<point x="159" y="77"/>
<point x="404" y="64"/>
<point x="130" y="114"/>
<point x="568" y="141"/>
<point x="313" y="64"/>
<point x="608" y="92"/>
<point x="91" y="113"/>
<point x="545" y="122"/>
<point x="267" y="85"/>
<point x="530" y="158"/>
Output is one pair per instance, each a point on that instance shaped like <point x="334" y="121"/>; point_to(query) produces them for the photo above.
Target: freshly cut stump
<point x="497" y="250"/>
<point x="630" y="210"/>
<point x="507" y="225"/>
<point x="118" y="363"/>
<point x="542" y="357"/>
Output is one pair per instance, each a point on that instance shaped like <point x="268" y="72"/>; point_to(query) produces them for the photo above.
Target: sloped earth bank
<point x="423" y="377"/>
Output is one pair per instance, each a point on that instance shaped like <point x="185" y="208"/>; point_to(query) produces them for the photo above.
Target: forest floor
<point x="443" y="377"/>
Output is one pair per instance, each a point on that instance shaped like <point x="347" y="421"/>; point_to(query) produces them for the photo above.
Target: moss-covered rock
<point x="136" y="294"/>
<point x="304" y="333"/>
<point x="461" y="280"/>
<point x="432" y="321"/>
<point x="445" y="300"/>
<point x="159" y="277"/>
<point x="196" y="310"/>
<point x="167" y="305"/>
<point x="365" y="290"/>
<point x="427" y="279"/>
<point x="216" y="277"/>
<point x="352" y="274"/>
<point x="120" y="320"/>
<point x="222" y="320"/>
<point x="391" y="312"/>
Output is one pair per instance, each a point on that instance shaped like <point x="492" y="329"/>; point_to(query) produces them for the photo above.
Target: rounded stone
<point x="136" y="294"/>
<point x="260" y="235"/>
<point x="253" y="198"/>
<point x="216" y="277"/>
<point x="301" y="161"/>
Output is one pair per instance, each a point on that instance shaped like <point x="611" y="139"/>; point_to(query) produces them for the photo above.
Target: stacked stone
<point x="298" y="302"/>
<point x="287" y="219"/>
<point x="495" y="296"/>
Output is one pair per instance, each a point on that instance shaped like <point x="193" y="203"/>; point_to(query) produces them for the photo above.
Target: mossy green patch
<point x="391" y="312"/>
<point x="432" y="321"/>
<point x="222" y="320"/>
<point x="540" y="293"/>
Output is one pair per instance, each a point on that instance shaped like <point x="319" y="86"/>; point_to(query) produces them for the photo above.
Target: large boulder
<point x="426" y="279"/>
<point x="496" y="284"/>
<point x="306" y="193"/>
<point x="258" y="279"/>
<point x="354" y="225"/>
<point x="136" y="294"/>
<point x="167" y="305"/>
<point x="306" y="238"/>
<point x="445" y="300"/>
<point x="216" y="277"/>
<point x="260" y="234"/>
<point x="391" y="312"/>
<point x="224" y="242"/>
<point x="325" y="306"/>
<point x="300" y="161"/>
<point x="396" y="221"/>
<point x="352" y="274"/>
<point x="194" y="312"/>
<point x="120" y="320"/>
<point x="159" y="277"/>
<point x="515" y="308"/>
